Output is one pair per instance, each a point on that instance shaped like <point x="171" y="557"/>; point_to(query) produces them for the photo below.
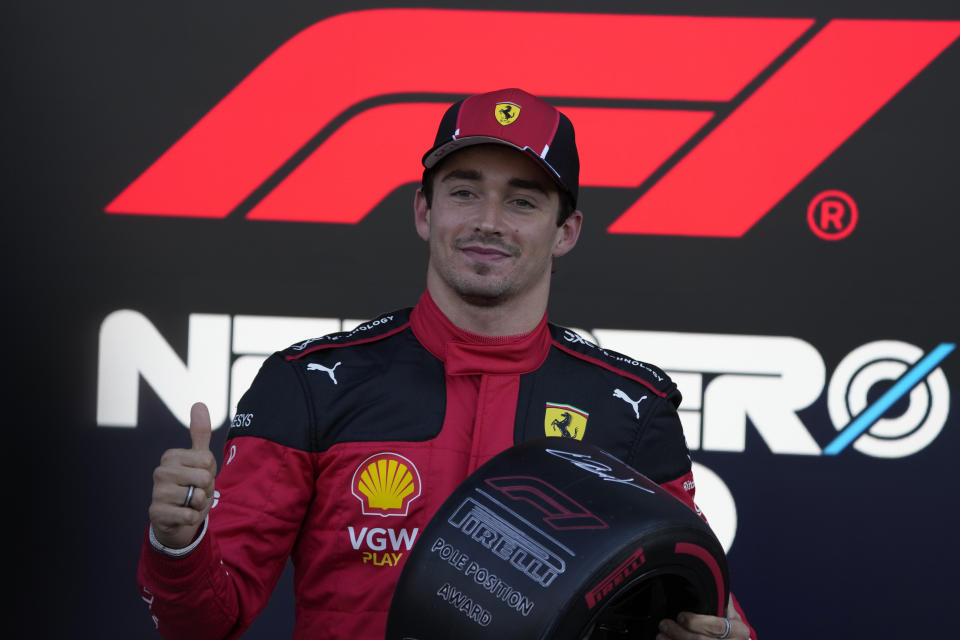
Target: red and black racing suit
<point x="409" y="384"/>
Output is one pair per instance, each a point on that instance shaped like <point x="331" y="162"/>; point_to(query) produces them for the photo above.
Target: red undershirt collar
<point x="465" y="353"/>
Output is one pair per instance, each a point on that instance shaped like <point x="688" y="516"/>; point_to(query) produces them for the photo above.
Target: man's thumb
<point x="200" y="426"/>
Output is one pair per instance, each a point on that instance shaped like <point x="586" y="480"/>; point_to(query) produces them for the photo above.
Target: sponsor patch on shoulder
<point x="647" y="374"/>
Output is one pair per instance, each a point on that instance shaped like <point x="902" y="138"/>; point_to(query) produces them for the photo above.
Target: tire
<point x="558" y="539"/>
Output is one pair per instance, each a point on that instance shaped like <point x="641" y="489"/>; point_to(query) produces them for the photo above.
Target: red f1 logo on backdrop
<point x="763" y="101"/>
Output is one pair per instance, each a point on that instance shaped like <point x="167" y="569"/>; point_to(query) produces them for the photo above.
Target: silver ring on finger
<point x="192" y="488"/>
<point x="726" y="632"/>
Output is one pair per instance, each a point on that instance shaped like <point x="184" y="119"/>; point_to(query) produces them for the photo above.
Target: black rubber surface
<point x="554" y="538"/>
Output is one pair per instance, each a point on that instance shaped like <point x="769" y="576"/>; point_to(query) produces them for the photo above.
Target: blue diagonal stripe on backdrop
<point x="873" y="413"/>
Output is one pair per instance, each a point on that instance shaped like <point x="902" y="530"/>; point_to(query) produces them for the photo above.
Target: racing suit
<point x="320" y="442"/>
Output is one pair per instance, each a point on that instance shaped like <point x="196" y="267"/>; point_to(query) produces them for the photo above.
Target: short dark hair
<point x="429" y="175"/>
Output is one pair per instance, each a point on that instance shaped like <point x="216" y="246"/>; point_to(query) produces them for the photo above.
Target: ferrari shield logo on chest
<point x="564" y="421"/>
<point x="506" y="112"/>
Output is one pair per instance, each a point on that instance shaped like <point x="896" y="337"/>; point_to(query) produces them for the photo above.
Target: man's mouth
<point x="481" y="253"/>
<point x="484" y="250"/>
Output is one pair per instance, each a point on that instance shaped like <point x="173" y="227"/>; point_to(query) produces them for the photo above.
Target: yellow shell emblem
<point x="386" y="484"/>
<point x="565" y="421"/>
<point x="506" y="112"/>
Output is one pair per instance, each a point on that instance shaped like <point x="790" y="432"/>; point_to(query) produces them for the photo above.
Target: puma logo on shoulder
<point x="617" y="393"/>
<point x="313" y="366"/>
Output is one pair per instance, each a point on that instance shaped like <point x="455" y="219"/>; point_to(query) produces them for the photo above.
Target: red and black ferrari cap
<point x="515" y="118"/>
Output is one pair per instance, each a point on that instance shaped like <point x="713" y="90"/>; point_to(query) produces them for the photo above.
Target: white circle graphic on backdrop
<point x="886" y="361"/>
<point x="715" y="500"/>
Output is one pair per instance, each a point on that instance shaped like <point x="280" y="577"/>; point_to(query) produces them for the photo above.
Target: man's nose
<point x="490" y="217"/>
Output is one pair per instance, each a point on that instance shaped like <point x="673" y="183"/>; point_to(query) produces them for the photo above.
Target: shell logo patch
<point x="564" y="421"/>
<point x="506" y="112"/>
<point x="386" y="484"/>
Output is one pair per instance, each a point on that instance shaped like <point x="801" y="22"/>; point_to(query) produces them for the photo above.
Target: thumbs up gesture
<point x="183" y="485"/>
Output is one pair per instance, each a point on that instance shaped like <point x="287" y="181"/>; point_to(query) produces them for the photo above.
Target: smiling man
<point x="491" y="218"/>
<point x="341" y="473"/>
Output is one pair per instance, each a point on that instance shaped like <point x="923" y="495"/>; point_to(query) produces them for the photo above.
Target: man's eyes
<point x="518" y="202"/>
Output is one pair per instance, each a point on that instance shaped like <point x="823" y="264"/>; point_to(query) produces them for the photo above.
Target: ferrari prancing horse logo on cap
<point x="506" y="112"/>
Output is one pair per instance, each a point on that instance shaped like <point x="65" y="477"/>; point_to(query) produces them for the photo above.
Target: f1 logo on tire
<point x="289" y="102"/>
<point x="562" y="512"/>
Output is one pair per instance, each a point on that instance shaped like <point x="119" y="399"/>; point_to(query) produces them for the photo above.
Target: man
<point x="345" y="445"/>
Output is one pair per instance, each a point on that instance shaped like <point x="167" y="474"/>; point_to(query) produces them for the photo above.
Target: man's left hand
<point x="694" y="626"/>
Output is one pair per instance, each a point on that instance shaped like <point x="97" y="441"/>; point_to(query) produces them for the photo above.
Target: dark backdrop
<point x="842" y="546"/>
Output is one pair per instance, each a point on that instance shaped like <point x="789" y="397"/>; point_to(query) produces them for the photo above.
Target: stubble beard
<point x="483" y="291"/>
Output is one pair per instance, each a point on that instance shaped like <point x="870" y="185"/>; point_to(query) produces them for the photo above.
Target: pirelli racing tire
<point x="557" y="539"/>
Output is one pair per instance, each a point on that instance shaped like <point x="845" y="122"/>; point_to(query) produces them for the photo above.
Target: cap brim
<point x="437" y="154"/>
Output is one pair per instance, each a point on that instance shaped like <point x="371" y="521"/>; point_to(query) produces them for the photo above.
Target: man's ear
<point x="568" y="233"/>
<point x="421" y="214"/>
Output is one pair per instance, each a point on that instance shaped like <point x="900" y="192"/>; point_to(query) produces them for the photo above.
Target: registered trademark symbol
<point x="832" y="215"/>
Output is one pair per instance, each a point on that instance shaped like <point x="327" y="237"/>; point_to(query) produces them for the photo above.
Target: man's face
<point x="492" y="225"/>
